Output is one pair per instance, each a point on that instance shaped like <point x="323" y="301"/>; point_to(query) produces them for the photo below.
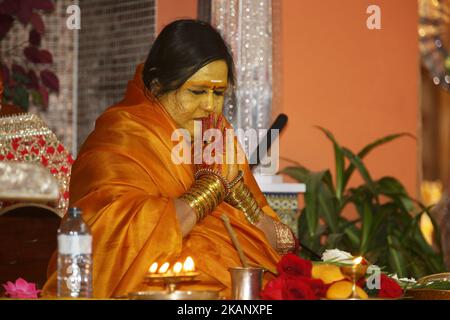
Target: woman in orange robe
<point x="128" y="188"/>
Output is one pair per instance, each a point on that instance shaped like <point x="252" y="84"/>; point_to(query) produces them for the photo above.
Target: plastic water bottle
<point x="74" y="256"/>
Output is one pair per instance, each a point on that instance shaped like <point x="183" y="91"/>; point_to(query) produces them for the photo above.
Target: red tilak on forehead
<point x="212" y="84"/>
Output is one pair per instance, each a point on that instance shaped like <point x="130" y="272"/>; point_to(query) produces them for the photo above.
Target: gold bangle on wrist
<point x="210" y="172"/>
<point x="241" y="198"/>
<point x="206" y="193"/>
<point x="236" y="180"/>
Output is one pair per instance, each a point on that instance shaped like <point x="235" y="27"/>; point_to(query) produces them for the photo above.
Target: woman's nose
<point x="209" y="103"/>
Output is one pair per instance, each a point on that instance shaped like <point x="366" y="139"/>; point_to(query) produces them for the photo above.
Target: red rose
<point x="319" y="288"/>
<point x="298" y="289"/>
<point x="274" y="289"/>
<point x="64" y="169"/>
<point x="10" y="156"/>
<point x="66" y="195"/>
<point x="2" y="158"/>
<point x="292" y="265"/>
<point x="23" y="152"/>
<point x="389" y="288"/>
<point x="53" y="171"/>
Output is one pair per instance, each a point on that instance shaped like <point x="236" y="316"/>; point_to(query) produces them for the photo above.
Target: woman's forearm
<point x="186" y="216"/>
<point x="266" y="225"/>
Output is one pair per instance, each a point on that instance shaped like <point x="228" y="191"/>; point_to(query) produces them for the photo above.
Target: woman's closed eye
<point x="199" y="92"/>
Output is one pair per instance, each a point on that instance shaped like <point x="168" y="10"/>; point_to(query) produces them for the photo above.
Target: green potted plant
<point x="386" y="230"/>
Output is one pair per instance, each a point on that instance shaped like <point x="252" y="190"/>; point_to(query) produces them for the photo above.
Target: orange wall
<point x="361" y="84"/>
<point x="169" y="10"/>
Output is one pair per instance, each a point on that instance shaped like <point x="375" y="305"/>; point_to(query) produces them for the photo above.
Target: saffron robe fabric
<point x="125" y="181"/>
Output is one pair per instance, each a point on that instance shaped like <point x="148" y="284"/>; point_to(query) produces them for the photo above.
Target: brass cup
<point x="354" y="272"/>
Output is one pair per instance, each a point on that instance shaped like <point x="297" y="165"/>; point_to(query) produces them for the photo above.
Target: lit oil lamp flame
<point x="164" y="268"/>
<point x="177" y="267"/>
<point x="153" y="267"/>
<point x="188" y="265"/>
<point x="357" y="260"/>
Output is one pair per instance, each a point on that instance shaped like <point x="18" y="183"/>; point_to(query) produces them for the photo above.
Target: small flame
<point x="177" y="267"/>
<point x="153" y="267"/>
<point x="357" y="260"/>
<point x="189" y="265"/>
<point x="164" y="268"/>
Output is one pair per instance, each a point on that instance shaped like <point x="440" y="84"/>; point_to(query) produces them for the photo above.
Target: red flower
<point x="23" y="152"/>
<point x="53" y="171"/>
<point x="60" y="148"/>
<point x="288" y="287"/>
<point x="66" y="195"/>
<point x="389" y="288"/>
<point x="274" y="289"/>
<point x="299" y="289"/>
<point x="293" y="265"/>
<point x="64" y="169"/>
<point x="319" y="288"/>
<point x="10" y="156"/>
<point x="2" y="157"/>
<point x="50" y="150"/>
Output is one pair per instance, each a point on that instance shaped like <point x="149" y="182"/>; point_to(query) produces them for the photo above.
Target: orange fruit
<point x="342" y="290"/>
<point x="328" y="273"/>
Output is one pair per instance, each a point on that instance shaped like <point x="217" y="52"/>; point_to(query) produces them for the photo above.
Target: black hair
<point x="181" y="49"/>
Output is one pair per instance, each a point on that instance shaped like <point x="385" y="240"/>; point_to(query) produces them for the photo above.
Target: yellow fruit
<point x="328" y="273"/>
<point x="343" y="289"/>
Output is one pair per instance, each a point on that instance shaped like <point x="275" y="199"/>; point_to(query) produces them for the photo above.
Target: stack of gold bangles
<point x="210" y="189"/>
<point x="207" y="192"/>
<point x="241" y="198"/>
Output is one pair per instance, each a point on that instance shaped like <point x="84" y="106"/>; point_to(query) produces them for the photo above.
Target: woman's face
<point x="200" y="95"/>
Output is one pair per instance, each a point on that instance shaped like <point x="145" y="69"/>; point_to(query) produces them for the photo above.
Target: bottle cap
<point x="74" y="211"/>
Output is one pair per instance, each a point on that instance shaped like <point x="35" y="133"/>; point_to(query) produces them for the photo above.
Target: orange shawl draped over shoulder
<point x="125" y="183"/>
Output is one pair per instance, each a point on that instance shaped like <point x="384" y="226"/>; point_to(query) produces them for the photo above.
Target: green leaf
<point x="339" y="164"/>
<point x="299" y="173"/>
<point x="327" y="208"/>
<point x="312" y="186"/>
<point x="334" y="240"/>
<point x="21" y="78"/>
<point x="351" y="232"/>
<point x="367" y="149"/>
<point x="20" y="98"/>
<point x="396" y="259"/>
<point x="36" y="98"/>
<point x="393" y="189"/>
<point x="8" y="92"/>
<point x="366" y="229"/>
<point x="356" y="161"/>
